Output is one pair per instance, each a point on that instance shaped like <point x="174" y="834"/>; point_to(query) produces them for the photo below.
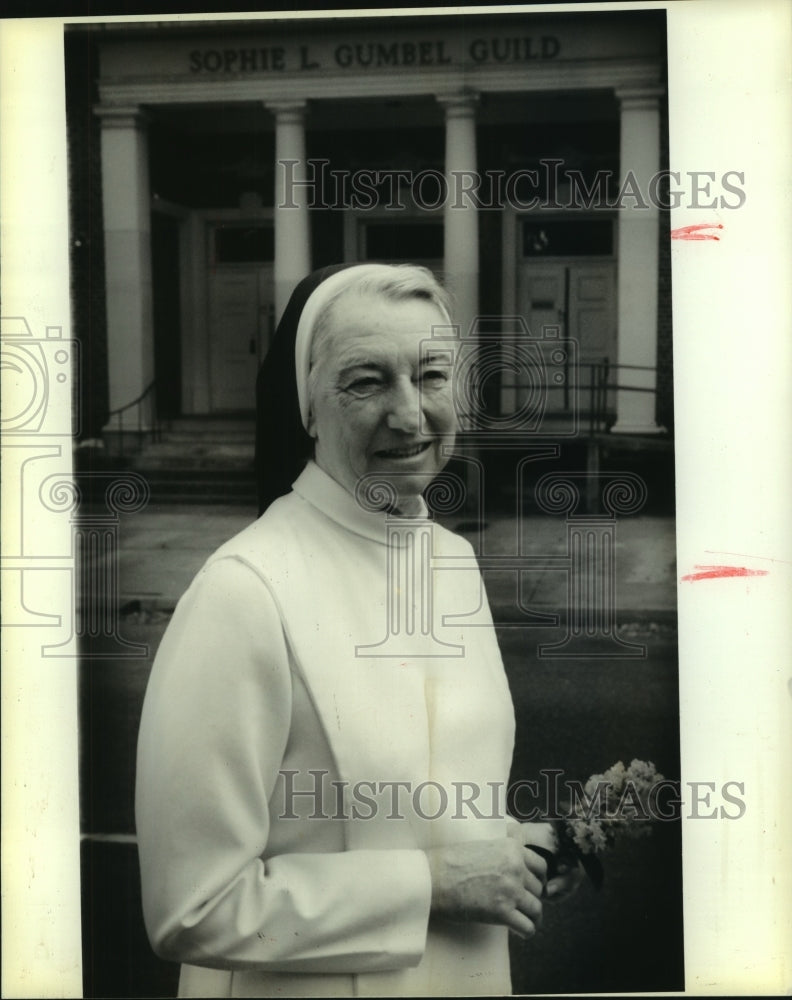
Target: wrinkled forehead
<point x="364" y="322"/>
<point x="386" y="355"/>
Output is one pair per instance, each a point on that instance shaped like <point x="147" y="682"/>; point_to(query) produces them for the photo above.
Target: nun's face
<point x="381" y="404"/>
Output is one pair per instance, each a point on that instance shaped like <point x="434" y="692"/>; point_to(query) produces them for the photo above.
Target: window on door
<point x="568" y="238"/>
<point x="399" y="242"/>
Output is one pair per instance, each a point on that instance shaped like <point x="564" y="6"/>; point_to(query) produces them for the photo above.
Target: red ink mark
<point x="696" y="232"/>
<point x="716" y="572"/>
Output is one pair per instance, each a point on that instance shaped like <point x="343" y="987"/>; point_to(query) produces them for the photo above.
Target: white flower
<point x="593" y="830"/>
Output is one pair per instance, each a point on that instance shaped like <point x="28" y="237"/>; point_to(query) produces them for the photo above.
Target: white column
<point x="127" y="235"/>
<point x="461" y="247"/>
<point x="292" y="229"/>
<point x="638" y="261"/>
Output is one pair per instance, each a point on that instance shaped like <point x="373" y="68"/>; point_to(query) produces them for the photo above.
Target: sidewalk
<point x="163" y="547"/>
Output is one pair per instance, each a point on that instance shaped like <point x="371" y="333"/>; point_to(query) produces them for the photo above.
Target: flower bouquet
<point x="613" y="806"/>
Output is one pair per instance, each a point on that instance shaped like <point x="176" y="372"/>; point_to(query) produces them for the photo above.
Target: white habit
<point x="260" y="691"/>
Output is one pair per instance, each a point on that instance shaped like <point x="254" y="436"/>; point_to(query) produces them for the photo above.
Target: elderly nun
<point x="318" y="810"/>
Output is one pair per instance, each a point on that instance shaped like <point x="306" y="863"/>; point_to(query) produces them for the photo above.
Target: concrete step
<point x="201" y="498"/>
<point x="202" y="486"/>
<point x="201" y="460"/>
<point x="208" y="430"/>
<point x="209" y="437"/>
<point x="197" y="426"/>
<point x="203" y="455"/>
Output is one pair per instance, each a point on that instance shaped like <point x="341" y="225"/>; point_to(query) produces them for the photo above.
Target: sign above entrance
<point x="263" y="48"/>
<point x="373" y="55"/>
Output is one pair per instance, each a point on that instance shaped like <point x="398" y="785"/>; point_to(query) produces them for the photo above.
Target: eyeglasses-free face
<point x="381" y="403"/>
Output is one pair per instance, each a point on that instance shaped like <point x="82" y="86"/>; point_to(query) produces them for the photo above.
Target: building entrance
<point x="578" y="298"/>
<point x="566" y="280"/>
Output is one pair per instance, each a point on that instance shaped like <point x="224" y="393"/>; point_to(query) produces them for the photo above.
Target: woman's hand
<point x="489" y="881"/>
<point x="568" y="872"/>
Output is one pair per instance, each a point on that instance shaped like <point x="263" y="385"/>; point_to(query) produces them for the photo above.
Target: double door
<point x="570" y="300"/>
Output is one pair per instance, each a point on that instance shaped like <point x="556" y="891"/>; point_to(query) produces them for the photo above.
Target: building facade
<point x="519" y="156"/>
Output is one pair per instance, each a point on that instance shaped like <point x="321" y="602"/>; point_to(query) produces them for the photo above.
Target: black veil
<point x="283" y="446"/>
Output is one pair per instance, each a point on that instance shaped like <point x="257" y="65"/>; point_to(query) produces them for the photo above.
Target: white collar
<point x="323" y="492"/>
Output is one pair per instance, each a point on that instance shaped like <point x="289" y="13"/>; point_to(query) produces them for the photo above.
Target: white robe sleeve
<point x="215" y="724"/>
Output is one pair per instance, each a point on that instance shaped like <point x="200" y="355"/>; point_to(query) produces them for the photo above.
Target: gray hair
<point x="395" y="282"/>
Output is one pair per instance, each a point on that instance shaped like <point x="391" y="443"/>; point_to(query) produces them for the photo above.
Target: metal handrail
<point x="599" y="385"/>
<point x="119" y="412"/>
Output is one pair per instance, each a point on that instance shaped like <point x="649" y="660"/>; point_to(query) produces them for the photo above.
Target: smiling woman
<point x="272" y="694"/>
<point x="381" y="402"/>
